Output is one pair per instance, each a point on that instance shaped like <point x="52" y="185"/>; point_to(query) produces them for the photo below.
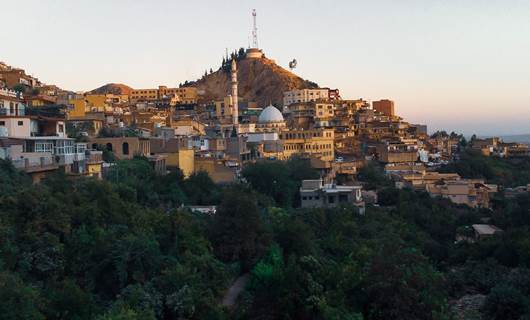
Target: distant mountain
<point x="521" y="138"/>
<point x="260" y="80"/>
<point x="112" y="88"/>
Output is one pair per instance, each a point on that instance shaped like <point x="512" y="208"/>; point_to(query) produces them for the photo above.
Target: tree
<point x="17" y="300"/>
<point x="279" y="180"/>
<point x="400" y="284"/>
<point x="20" y="88"/>
<point x="506" y="303"/>
<point x="238" y="231"/>
<point x="200" y="189"/>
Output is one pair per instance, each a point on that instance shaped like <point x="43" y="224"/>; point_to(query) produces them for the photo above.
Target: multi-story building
<point x="471" y="192"/>
<point x="317" y="194"/>
<point x="391" y="151"/>
<point x="186" y="95"/>
<point x="177" y="151"/>
<point x="313" y="143"/>
<point x="38" y="143"/>
<point x="384" y="106"/>
<point x="123" y="147"/>
<point x="305" y="95"/>
<point x="12" y="77"/>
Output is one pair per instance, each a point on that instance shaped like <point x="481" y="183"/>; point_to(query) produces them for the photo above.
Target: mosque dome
<point x="270" y="114"/>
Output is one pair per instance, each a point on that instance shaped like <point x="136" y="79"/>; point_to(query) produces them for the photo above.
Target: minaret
<point x="235" y="111"/>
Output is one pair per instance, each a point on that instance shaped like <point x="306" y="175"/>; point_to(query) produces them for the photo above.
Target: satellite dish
<point x="293" y="64"/>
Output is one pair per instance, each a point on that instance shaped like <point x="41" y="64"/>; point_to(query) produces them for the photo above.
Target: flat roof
<point x="486" y="229"/>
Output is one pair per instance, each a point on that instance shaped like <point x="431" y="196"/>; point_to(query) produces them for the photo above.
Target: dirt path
<point x="233" y="292"/>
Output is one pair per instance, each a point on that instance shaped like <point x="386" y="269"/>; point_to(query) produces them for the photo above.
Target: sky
<point x="456" y="65"/>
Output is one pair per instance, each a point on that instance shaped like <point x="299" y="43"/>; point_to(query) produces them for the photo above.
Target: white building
<point x="316" y="194"/>
<point x="304" y="95"/>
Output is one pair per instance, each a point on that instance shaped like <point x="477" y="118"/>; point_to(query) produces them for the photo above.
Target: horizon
<point x="476" y="66"/>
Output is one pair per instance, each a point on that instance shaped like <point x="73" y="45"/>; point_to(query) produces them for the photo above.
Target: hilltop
<point x="260" y="80"/>
<point x="113" y="88"/>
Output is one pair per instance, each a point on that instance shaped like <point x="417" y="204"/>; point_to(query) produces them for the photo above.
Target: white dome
<point x="270" y="114"/>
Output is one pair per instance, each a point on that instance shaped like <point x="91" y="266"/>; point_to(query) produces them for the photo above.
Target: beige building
<point x="124" y="147"/>
<point x="177" y="152"/>
<point x="186" y="95"/>
<point x="305" y="95"/>
<point x="473" y="193"/>
<point x="313" y="143"/>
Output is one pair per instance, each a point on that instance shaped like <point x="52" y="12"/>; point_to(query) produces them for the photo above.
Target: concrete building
<point x="390" y="152"/>
<point x="317" y="143"/>
<point x="186" y="95"/>
<point x="305" y="95"/>
<point x="123" y="147"/>
<point x="385" y="106"/>
<point x="316" y="194"/>
<point x="484" y="231"/>
<point x="471" y="192"/>
<point x="177" y="152"/>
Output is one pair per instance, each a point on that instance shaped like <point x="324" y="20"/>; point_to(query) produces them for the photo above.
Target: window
<point x="109" y="146"/>
<point x="304" y="198"/>
<point x="125" y="148"/>
<point x="2" y="123"/>
<point x="61" y="128"/>
<point x="43" y="147"/>
<point x="21" y="123"/>
<point x="331" y="199"/>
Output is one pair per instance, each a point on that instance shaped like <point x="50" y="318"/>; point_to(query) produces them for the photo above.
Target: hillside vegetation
<point x="125" y="248"/>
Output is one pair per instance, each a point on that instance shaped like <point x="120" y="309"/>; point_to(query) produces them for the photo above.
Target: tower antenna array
<point x="254" y="30"/>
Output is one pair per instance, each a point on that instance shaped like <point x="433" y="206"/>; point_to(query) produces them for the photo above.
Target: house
<point x="123" y="147"/>
<point x="317" y="194"/>
<point x="178" y="153"/>
<point x="471" y="192"/>
<point x="484" y="231"/>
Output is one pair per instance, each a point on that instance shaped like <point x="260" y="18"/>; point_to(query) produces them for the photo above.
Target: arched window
<point x="109" y="146"/>
<point x="125" y="148"/>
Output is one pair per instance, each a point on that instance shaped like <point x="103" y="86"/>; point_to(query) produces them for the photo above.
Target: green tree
<point x="506" y="303"/>
<point x="238" y="231"/>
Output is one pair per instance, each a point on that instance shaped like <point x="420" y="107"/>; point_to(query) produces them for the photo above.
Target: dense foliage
<point x="506" y="172"/>
<point x="127" y="248"/>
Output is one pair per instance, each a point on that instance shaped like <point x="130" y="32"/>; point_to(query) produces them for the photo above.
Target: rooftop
<point x="486" y="229"/>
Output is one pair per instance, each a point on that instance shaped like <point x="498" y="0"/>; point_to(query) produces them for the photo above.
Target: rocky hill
<point x="113" y="88"/>
<point x="260" y="80"/>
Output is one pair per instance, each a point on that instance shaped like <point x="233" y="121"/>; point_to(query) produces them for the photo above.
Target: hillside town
<point x="44" y="128"/>
<point x="252" y="193"/>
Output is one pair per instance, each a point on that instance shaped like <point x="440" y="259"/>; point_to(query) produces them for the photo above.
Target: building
<point x="35" y="164"/>
<point x="316" y="194"/>
<point x="305" y="95"/>
<point x="186" y="95"/>
<point x="390" y="152"/>
<point x="385" y="106"/>
<point x="123" y="147"/>
<point x="484" y="231"/>
<point x="471" y="192"/>
<point x="317" y="143"/>
<point x="270" y="120"/>
<point x="221" y="171"/>
<point x="177" y="152"/>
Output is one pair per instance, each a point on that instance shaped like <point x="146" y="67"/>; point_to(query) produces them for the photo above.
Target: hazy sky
<point x="459" y="65"/>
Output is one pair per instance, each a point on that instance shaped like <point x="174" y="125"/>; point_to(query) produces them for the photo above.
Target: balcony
<point x="36" y="163"/>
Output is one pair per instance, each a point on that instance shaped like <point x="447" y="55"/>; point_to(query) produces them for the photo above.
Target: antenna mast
<point x="254" y="30"/>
